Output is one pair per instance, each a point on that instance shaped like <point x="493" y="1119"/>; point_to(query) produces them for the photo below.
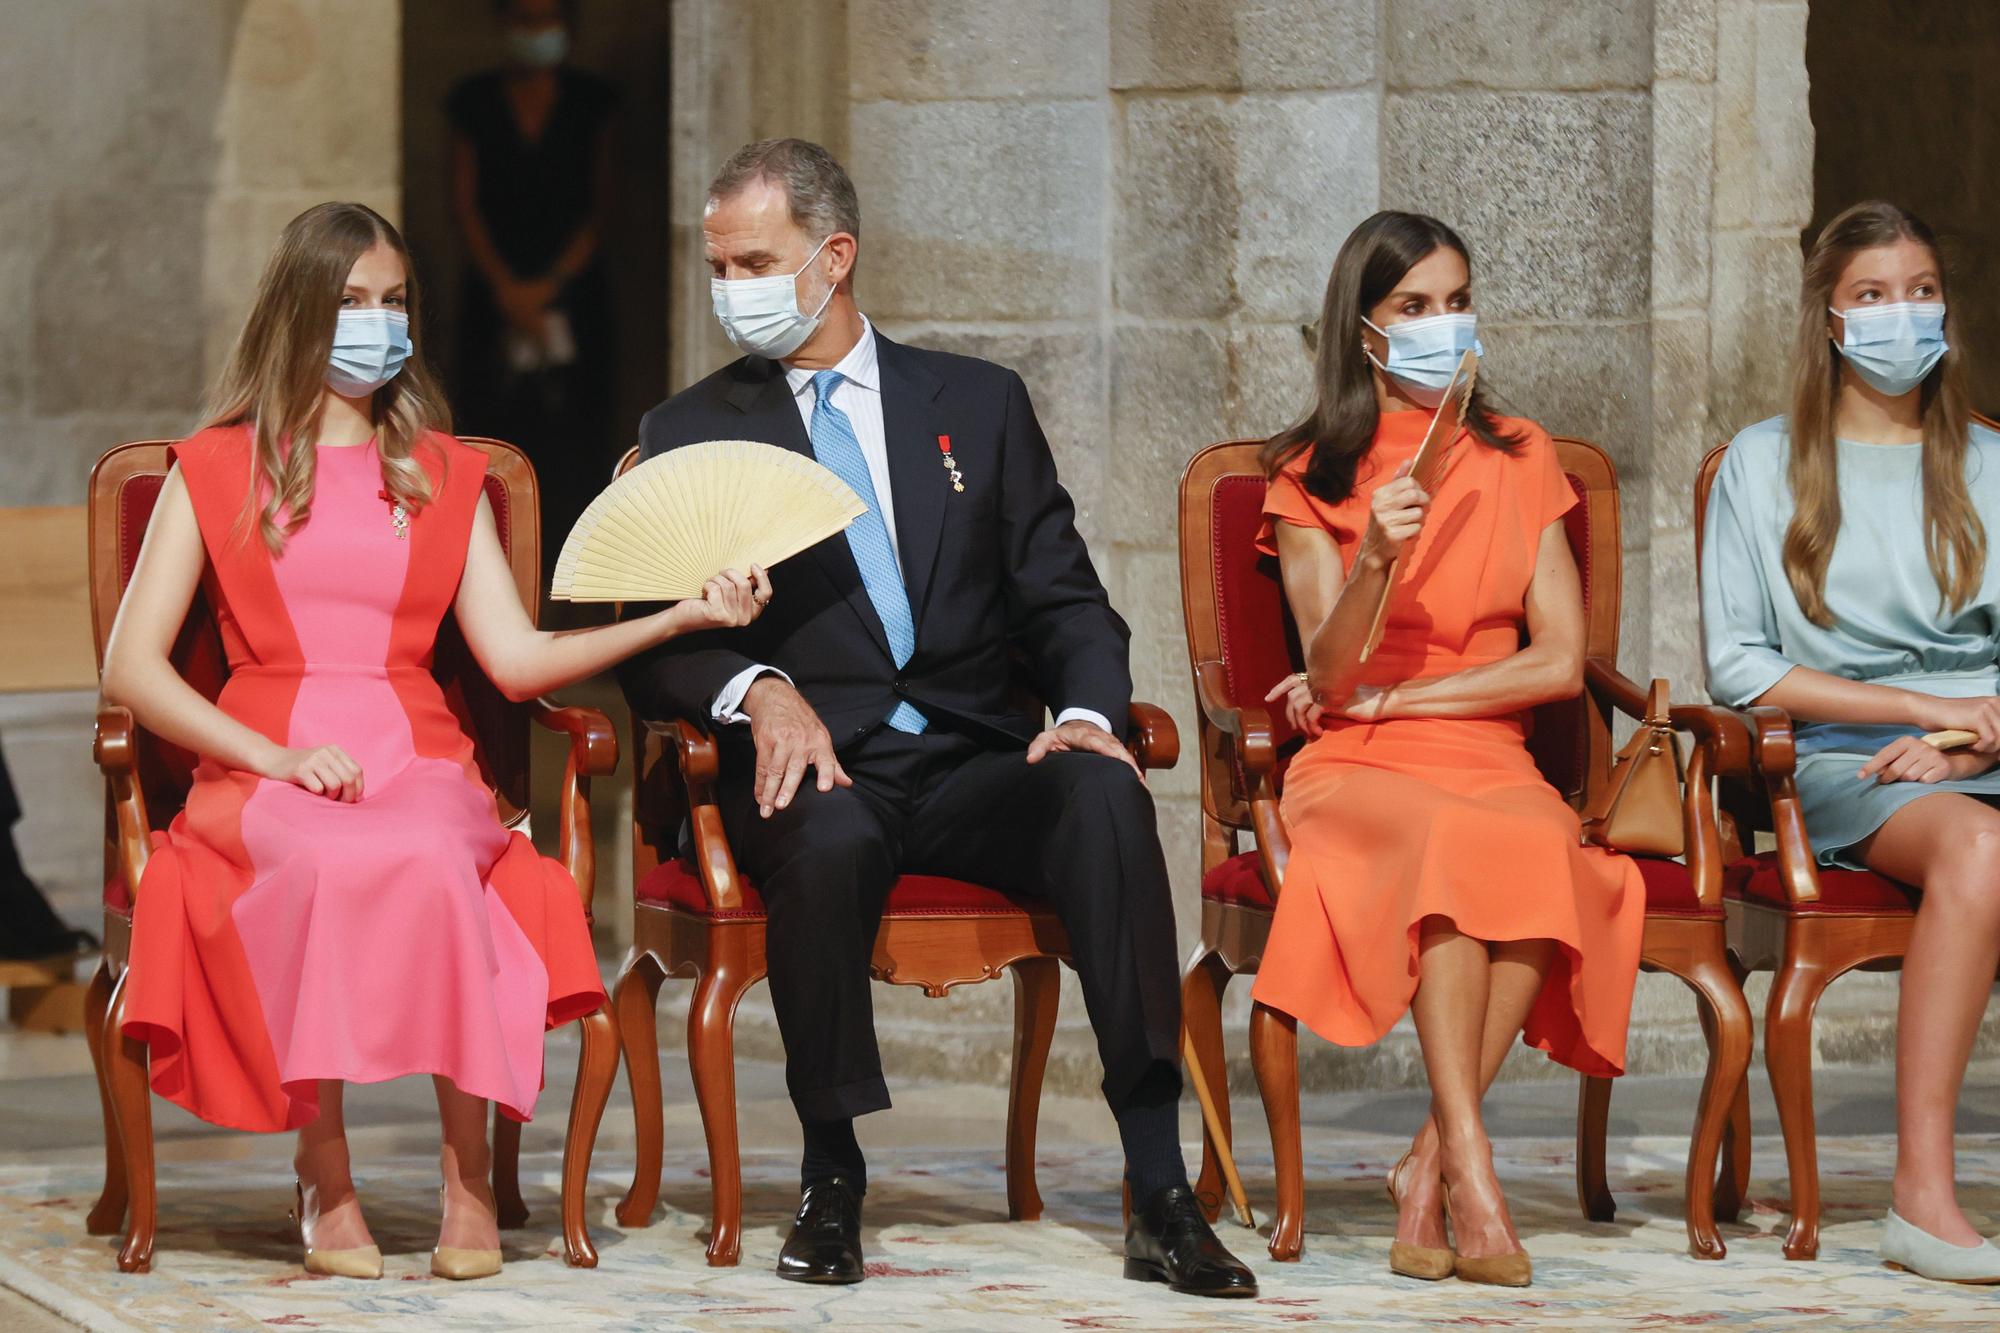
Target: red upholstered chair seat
<point x="1237" y="882"/>
<point x="1670" y="889"/>
<point x="1755" y="879"/>
<point x="673" y="885"/>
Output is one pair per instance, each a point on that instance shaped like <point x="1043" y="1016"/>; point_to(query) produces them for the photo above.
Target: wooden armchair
<point x="699" y="917"/>
<point x="1804" y="922"/>
<point x="147" y="782"/>
<point x="1241" y="641"/>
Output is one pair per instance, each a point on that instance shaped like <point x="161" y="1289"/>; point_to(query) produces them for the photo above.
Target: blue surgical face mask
<point x="1893" y="347"/>
<point x="762" y="315"/>
<point x="369" y="349"/>
<point x="1423" y="353"/>
<point x="539" y="49"/>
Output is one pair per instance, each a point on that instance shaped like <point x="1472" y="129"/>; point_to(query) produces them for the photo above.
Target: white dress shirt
<point x="859" y="396"/>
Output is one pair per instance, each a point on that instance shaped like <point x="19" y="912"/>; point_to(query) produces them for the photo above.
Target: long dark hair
<point x="1340" y="428"/>
<point x="1954" y="538"/>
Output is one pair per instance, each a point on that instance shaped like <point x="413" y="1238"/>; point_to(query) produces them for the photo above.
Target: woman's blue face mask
<point x="1423" y="353"/>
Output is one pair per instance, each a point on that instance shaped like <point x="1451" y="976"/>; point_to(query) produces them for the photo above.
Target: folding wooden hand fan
<point x="677" y="520"/>
<point x="1425" y="470"/>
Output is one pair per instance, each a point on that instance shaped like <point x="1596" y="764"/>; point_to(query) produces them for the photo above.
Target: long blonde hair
<point x="276" y="373"/>
<point x="1954" y="538"/>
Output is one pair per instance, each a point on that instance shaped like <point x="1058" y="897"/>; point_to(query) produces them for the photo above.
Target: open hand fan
<point x="677" y="520"/>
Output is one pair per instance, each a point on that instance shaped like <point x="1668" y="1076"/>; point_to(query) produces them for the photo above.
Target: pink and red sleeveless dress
<point x="282" y="937"/>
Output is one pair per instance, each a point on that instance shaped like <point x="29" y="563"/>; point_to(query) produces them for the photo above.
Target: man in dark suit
<point x="884" y="667"/>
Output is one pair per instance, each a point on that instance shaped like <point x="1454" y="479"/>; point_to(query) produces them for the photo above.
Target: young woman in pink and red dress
<point x="339" y="902"/>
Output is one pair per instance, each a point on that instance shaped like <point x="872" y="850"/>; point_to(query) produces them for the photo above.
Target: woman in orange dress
<point x="1433" y="869"/>
<point x="338" y="901"/>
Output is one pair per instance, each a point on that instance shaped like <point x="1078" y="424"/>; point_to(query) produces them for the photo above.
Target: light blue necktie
<point x="834" y="444"/>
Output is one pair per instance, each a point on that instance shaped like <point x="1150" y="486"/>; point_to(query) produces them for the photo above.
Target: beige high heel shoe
<point x="1494" y="1270"/>
<point x="457" y="1265"/>
<point x="362" y="1261"/>
<point x="1428" y="1263"/>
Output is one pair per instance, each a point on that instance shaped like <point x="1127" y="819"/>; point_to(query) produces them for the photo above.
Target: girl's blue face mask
<point x="1893" y="347"/>
<point x="369" y="349"/>
<point x="1423" y="353"/>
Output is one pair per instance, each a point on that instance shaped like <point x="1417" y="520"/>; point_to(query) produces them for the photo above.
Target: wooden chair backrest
<point x="125" y="485"/>
<point x="1235" y="611"/>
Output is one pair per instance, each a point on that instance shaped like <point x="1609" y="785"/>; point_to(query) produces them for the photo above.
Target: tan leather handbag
<point x="1639" y="808"/>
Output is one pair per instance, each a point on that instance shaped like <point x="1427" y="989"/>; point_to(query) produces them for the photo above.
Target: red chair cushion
<point x="117" y="898"/>
<point x="673" y="885"/>
<point x="1670" y="889"/>
<point x="1237" y="882"/>
<point x="1755" y="879"/>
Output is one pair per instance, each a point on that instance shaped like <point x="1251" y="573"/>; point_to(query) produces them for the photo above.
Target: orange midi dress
<point x="1396" y="821"/>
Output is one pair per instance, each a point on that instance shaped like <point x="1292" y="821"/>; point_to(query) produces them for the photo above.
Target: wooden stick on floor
<point x="1216" y="1138"/>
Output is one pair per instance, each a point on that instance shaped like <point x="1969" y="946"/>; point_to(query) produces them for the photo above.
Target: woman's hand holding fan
<point x="729" y="600"/>
<point x="668" y="528"/>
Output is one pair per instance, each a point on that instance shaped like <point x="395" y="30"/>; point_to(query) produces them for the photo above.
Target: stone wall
<point x="150" y="151"/>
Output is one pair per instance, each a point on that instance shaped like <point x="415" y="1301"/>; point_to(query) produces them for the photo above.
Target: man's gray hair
<point x="817" y="188"/>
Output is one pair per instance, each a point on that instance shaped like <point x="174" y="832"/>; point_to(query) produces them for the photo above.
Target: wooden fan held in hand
<point x="1425" y="469"/>
<point x="675" y="521"/>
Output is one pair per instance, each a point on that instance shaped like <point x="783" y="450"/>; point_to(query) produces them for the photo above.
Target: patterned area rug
<point x="943" y="1257"/>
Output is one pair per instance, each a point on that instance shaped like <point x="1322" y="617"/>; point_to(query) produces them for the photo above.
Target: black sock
<point x="1149" y="1127"/>
<point x="831" y="1150"/>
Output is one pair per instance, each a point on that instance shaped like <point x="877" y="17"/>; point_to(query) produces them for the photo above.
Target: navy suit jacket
<point x="1009" y="611"/>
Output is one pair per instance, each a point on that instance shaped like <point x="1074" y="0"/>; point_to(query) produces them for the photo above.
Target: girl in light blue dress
<point x="1846" y="580"/>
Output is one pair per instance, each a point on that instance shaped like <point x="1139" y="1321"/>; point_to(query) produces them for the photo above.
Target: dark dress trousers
<point x="1003" y="595"/>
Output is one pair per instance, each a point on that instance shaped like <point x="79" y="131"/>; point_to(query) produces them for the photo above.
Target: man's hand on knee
<point x="790" y="739"/>
<point x="1084" y="737"/>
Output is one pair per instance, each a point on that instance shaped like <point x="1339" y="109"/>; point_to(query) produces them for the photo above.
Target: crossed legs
<point x="1472" y="999"/>
<point x="1949" y="845"/>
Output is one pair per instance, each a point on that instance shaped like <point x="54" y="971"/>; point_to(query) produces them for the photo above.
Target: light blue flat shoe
<point x="1911" y="1249"/>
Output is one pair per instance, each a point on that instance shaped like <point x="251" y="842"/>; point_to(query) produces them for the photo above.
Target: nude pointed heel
<point x="457" y="1265"/>
<point x="1427" y="1263"/>
<point x="1495" y="1270"/>
<point x="362" y="1261"/>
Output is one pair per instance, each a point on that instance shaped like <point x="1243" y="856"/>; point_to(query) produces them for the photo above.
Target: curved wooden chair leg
<point x="1788" y="1018"/>
<point x="509" y="1209"/>
<point x="1037" y="994"/>
<point x="634" y="999"/>
<point x="1726" y="1021"/>
<point x="131" y="1100"/>
<point x="596" y="1069"/>
<point x="108" y="1213"/>
<point x="712" y="1059"/>
<point x="1274" y="1055"/>
<point x="1732" y="1176"/>
<point x="1593" y="1112"/>
<point x="1201" y="1014"/>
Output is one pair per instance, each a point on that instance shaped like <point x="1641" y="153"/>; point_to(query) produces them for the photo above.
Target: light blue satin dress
<point x="1888" y="626"/>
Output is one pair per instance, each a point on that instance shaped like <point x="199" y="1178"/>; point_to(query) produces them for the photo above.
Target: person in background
<point x="29" y="927"/>
<point x="1847" y="579"/>
<point x="531" y="185"/>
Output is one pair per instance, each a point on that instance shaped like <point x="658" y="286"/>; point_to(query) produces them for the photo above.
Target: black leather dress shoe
<point x="1168" y="1240"/>
<point x="825" y="1244"/>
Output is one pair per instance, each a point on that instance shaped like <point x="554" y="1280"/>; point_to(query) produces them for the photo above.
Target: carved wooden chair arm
<point x="1249" y="728"/>
<point x="1774" y="753"/>
<point x="116" y="749"/>
<point x="698" y="760"/>
<point x="1156" y="741"/>
<point x="593" y="752"/>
